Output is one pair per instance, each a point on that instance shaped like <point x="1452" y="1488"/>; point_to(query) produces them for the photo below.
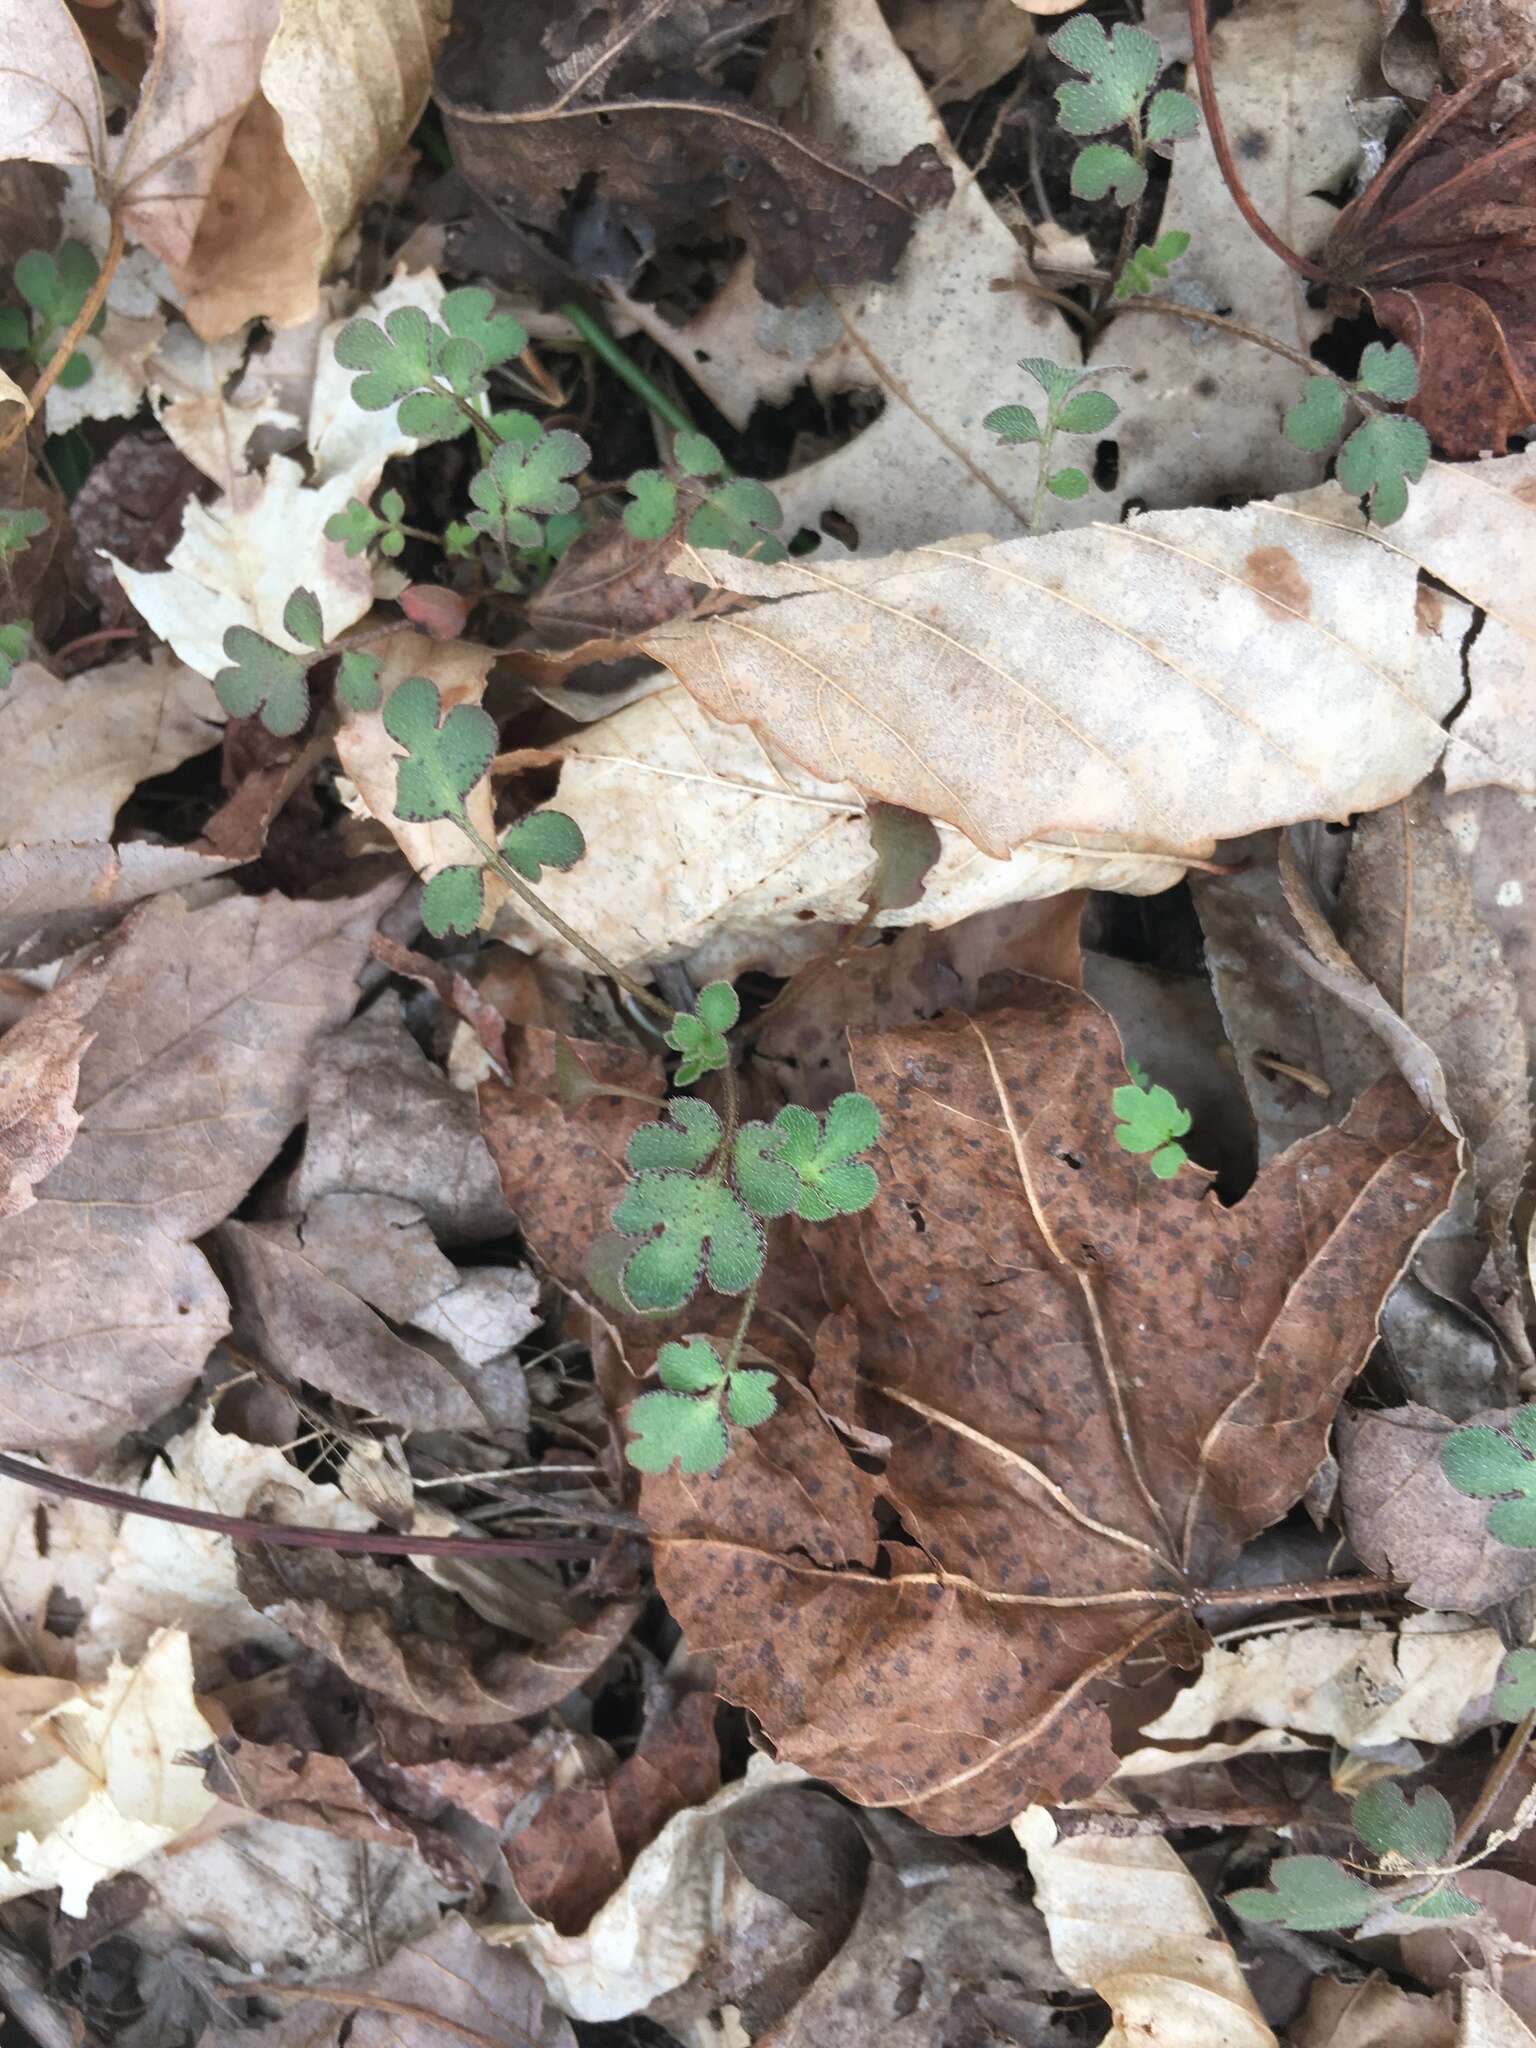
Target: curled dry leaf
<point x="1438" y="247"/>
<point x="55" y="898"/>
<point x="664" y="154"/>
<point x="1186" y="677"/>
<point x="1128" y="1921"/>
<point x="1366" y="1688"/>
<point x="205" y="1025"/>
<point x="710" y="845"/>
<point x="1374" y="2014"/>
<point x="92" y="1781"/>
<point x="1405" y="1518"/>
<point x="39" y="1074"/>
<point x="1068" y="1469"/>
<point x="452" y="1984"/>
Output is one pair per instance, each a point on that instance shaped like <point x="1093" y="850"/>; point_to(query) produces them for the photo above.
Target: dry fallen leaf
<point x="454" y="1984"/>
<point x="90" y="1781"/>
<point x="57" y="897"/>
<point x="39" y="1075"/>
<point x="1366" y="1688"/>
<point x="1373" y="2014"/>
<point x="1187" y="677"/>
<point x="707" y="844"/>
<point x="76" y="750"/>
<point x="1062" y="1462"/>
<point x="205" y="1031"/>
<point x="1128" y="1921"/>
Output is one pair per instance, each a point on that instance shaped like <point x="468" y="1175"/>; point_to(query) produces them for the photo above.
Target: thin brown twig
<point x="1199" y="29"/>
<point x="1293" y="1589"/>
<point x="90" y="306"/>
<point x="283" y="1535"/>
<point x="1503" y="1769"/>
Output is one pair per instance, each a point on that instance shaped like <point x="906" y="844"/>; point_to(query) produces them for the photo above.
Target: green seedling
<point x="1119" y="70"/>
<point x="1387" y="451"/>
<point x="1068" y="410"/>
<point x="54" y="289"/>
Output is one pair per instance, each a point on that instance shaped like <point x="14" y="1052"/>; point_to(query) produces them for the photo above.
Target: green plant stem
<point x="748" y="1307"/>
<point x="477" y="420"/>
<point x="1043" y="477"/>
<point x="421" y="533"/>
<point x="535" y="902"/>
<point x="1130" y="228"/>
<point x="602" y="343"/>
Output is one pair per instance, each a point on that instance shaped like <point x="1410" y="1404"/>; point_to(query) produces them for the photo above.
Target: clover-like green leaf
<point x="453" y="901"/>
<point x="1406" y="1833"/>
<point x="807" y="1164"/>
<point x="1105" y="167"/>
<point x="1150" y="1120"/>
<point x="394" y="359"/>
<point x="432" y="416"/>
<point x="696" y="455"/>
<point x="302" y="620"/>
<point x="1390" y="373"/>
<point x="740" y="514"/>
<point x="1311" y="1894"/>
<point x="544" y="839"/>
<point x="15" y="642"/>
<point x="1316" y="420"/>
<point x="19" y="527"/>
<point x="56" y="287"/>
<point x="470" y="314"/>
<point x="1057" y="380"/>
<point x="459" y="538"/>
<point x="1446" y="1902"/>
<point x="1149" y="264"/>
<point x="1087" y="412"/>
<point x="1015" y="424"/>
<point x="749" y="1397"/>
<point x="1486" y="1463"/>
<point x="357" y="680"/>
<point x="690" y="1367"/>
<point x="654" y="505"/>
<point x="700" y="1038"/>
<point x="355" y="527"/>
<point x="687" y="1140"/>
<point x="266" y="681"/>
<point x="1171" y="115"/>
<point x="1380" y="459"/>
<point x="700" y="1228"/>
<point x="525" y="478"/>
<point x="443" y="762"/>
<point x="1067" y="483"/>
<point x="1515" y="1694"/>
<point x="1121" y="69"/>
<point x="679" y="1429"/>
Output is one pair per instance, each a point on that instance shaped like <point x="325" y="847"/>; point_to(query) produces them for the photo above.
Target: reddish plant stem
<point x="1294" y="1589"/>
<point x="356" y="1542"/>
<point x="92" y="304"/>
<point x="1200" y="34"/>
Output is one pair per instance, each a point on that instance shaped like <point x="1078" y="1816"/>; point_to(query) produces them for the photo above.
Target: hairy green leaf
<point x="803" y="1163"/>
<point x="740" y="514"/>
<point x="687" y="1140"/>
<point x="670" y="1428"/>
<point x="453" y="901"/>
<point x="470" y="314"/>
<point x="1311" y="1894"/>
<point x="357" y="680"/>
<point x="56" y="287"/>
<point x="1013" y="423"/>
<point x="394" y="359"/>
<point x="525" y="478"/>
<point x="1389" y="373"/>
<point x="1067" y="483"/>
<point x="1316" y="420"/>
<point x="691" y="1367"/>
<point x="1446" y="1902"/>
<point x="1087" y="412"/>
<point x="1105" y="167"/>
<point x="1057" y="380"/>
<point x="701" y="1037"/>
<point x="1515" y="1694"/>
<point x="1380" y="459"/>
<point x="1408" y="1834"/>
<point x="1149" y="1120"/>
<point x="302" y="620"/>
<point x="266" y="681"/>
<point x="443" y="762"/>
<point x="654" y="505"/>
<point x="700" y="1228"/>
<point x="355" y="527"/>
<point x="1170" y="116"/>
<point x="1149" y="264"/>
<point x="696" y="455"/>
<point x="544" y="839"/>
<point x="1487" y="1462"/>
<point x="19" y="527"/>
<point x="1121" y="69"/>
<point x="749" y="1397"/>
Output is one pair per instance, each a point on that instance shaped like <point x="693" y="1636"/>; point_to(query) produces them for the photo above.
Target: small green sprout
<point x="1121" y="69"/>
<point x="526" y="476"/>
<point x="1068" y="411"/>
<point x="684" y="1424"/>
<point x="1150" y="1121"/>
<point x="1147" y="266"/>
<point x="19" y="528"/>
<point x="1498" y="1465"/>
<point x="1387" y="451"/>
<point x="434" y="372"/>
<point x="736" y="513"/>
<point x="55" y="289"/>
<point x="15" y="645"/>
<point x="807" y="1165"/>
<point x="1410" y="1838"/>
<point x="700" y="1038"/>
<point x="358" y="527"/>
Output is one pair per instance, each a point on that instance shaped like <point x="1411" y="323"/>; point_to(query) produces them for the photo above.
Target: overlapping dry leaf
<point x="1183" y="678"/>
<point x="205" y="1028"/>
<point x="1063" y="1461"/>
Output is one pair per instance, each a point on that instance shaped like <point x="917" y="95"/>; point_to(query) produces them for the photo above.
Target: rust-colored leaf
<point x="1439" y="245"/>
<point x="1096" y="1387"/>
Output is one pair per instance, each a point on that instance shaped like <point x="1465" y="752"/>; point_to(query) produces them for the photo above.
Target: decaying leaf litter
<point x="765" y="1005"/>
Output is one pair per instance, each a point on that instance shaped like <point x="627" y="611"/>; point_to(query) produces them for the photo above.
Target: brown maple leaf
<point x="1442" y="247"/>
<point x="1095" y="1388"/>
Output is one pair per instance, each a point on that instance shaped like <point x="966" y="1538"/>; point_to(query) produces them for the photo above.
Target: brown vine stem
<point x="91" y="305"/>
<point x="1293" y="1590"/>
<point x="1199" y="318"/>
<point x="1199" y="29"/>
<point x="289" y="1536"/>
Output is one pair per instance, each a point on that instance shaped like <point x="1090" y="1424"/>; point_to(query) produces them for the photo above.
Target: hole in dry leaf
<point x="841" y="528"/>
<point x="40" y="1530"/>
<point x="919" y="1220"/>
<point x="1106" y="465"/>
